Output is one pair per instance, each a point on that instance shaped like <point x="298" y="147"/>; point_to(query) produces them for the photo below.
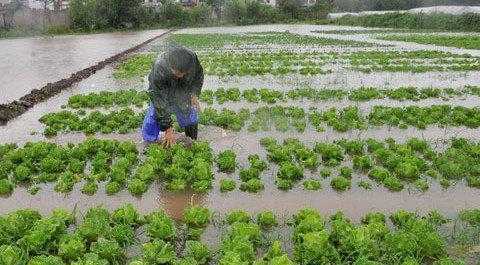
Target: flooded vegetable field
<point x="375" y="138"/>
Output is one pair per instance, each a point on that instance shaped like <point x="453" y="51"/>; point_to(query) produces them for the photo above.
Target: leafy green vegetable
<point x="341" y="183"/>
<point x="238" y="216"/>
<point x="227" y="185"/>
<point x="198" y="251"/>
<point x="266" y="219"/>
<point x="108" y="249"/>
<point x="253" y="185"/>
<point x="196" y="216"/>
<point x="158" y="252"/>
<point x="226" y="161"/>
<point x="71" y="247"/>
<point x="312" y="184"/>
<point x="160" y="226"/>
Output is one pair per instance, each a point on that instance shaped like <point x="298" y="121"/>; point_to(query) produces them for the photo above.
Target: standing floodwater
<point x="30" y="63"/>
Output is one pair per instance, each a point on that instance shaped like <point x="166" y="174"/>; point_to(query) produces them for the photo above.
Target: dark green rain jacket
<point x="170" y="95"/>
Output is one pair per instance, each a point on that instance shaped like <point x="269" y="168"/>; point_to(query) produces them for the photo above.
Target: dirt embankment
<point x="16" y="108"/>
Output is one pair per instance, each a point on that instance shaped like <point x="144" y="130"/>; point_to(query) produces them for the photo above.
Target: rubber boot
<point x="192" y="131"/>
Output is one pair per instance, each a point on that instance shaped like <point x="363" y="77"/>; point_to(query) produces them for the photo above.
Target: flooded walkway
<point x="30" y="63"/>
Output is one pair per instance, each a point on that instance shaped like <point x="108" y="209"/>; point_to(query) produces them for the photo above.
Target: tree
<point x="320" y="9"/>
<point x="291" y="8"/>
<point x="100" y="14"/>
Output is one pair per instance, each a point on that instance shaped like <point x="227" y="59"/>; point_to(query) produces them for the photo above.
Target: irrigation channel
<point x="354" y="202"/>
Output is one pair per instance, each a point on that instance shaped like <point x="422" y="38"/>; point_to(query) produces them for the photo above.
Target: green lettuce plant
<point x="266" y="219"/>
<point x="226" y="161"/>
<point x="108" y="249"/>
<point x="341" y="183"/>
<point x="90" y="188"/>
<point x="137" y="187"/>
<point x="253" y="185"/>
<point x="71" y="247"/>
<point x="10" y="254"/>
<point x="123" y="234"/>
<point x="127" y="214"/>
<point x="312" y="184"/>
<point x="198" y="251"/>
<point x="160" y="226"/>
<point x="238" y="216"/>
<point x="96" y="224"/>
<point x="6" y="187"/>
<point x="227" y="185"/>
<point x="196" y="216"/>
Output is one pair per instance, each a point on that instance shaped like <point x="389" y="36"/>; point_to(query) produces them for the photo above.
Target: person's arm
<point x="196" y="84"/>
<point x="157" y="92"/>
<point x="162" y="112"/>
<point x="197" y="81"/>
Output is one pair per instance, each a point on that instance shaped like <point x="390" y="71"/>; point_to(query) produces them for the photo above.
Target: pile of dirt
<point x="16" y="108"/>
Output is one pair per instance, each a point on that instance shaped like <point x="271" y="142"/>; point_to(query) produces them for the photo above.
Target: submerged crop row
<point x="459" y="41"/>
<point x="104" y="237"/>
<point x="219" y="41"/>
<point x="282" y="118"/>
<point x="138" y="98"/>
<point x="116" y="164"/>
<point x="312" y="63"/>
<point x="272" y="96"/>
<point x="390" y="164"/>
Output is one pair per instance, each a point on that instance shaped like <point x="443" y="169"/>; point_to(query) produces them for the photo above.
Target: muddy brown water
<point x="355" y="202"/>
<point x="30" y="63"/>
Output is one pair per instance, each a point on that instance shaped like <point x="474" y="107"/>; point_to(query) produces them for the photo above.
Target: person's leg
<point x="150" y="128"/>
<point x="189" y="123"/>
<point x="192" y="131"/>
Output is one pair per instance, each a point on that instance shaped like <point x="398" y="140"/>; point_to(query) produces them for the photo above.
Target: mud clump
<point x="16" y="108"/>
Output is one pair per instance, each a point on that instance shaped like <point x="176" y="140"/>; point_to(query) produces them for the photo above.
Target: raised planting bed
<point x="260" y="39"/>
<point x="390" y="164"/>
<point x="115" y="164"/>
<point x="458" y="41"/>
<point x="282" y="63"/>
<point x="125" y="236"/>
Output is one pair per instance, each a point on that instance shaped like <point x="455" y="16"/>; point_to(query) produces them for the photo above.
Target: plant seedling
<point x="112" y="188"/>
<point x="312" y="185"/>
<point x="226" y="161"/>
<point x="137" y="187"/>
<point x="266" y="219"/>
<point x="253" y="185"/>
<point x="341" y="183"/>
<point x="227" y="185"/>
<point x="363" y="163"/>
<point x="422" y="185"/>
<point x="365" y="185"/>
<point x="393" y="183"/>
<point x="239" y="216"/>
<point x="196" y="216"/>
<point x="90" y="188"/>
<point x="325" y="173"/>
<point x="346" y="172"/>
<point x="6" y="187"/>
